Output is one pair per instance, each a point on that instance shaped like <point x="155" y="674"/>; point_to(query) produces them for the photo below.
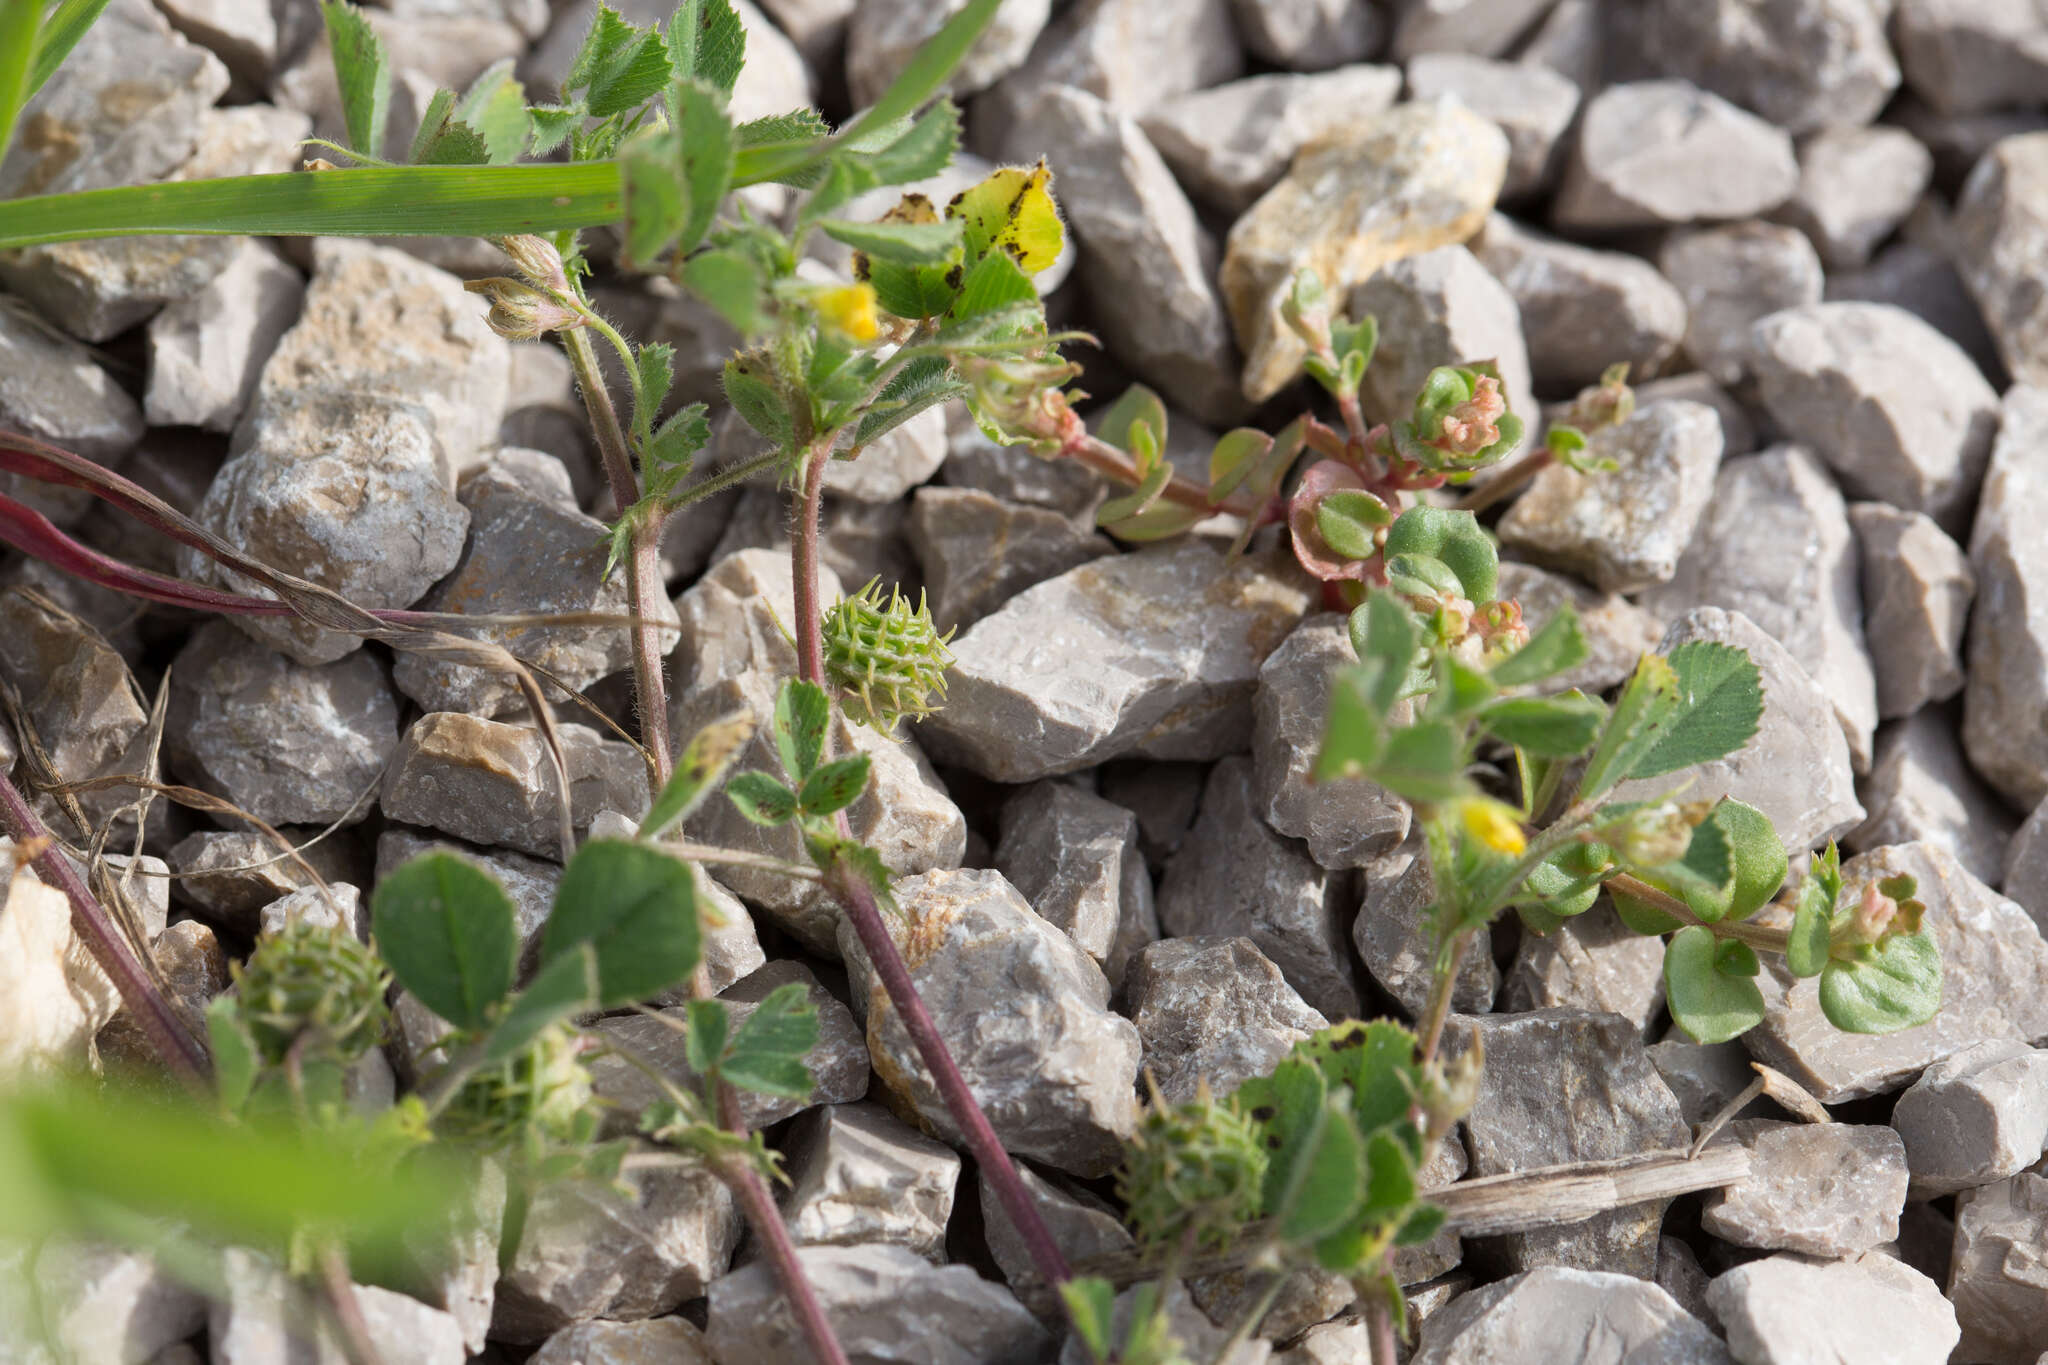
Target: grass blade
<point x="394" y="201"/>
<point x="61" y="31"/>
<point x="19" y="20"/>
<point x="928" y="70"/>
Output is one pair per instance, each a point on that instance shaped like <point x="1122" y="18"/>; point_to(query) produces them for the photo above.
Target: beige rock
<point x="1420" y="176"/>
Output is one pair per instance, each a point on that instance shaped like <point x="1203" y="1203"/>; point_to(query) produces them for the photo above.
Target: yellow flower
<point x="850" y="309"/>
<point x="1493" y="823"/>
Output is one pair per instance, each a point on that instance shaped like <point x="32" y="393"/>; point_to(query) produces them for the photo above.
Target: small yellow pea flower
<point x="1493" y="823"/>
<point x="849" y="309"/>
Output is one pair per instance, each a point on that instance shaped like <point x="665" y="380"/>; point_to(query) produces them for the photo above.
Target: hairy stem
<point x="1755" y="935"/>
<point x="766" y="1221"/>
<point x="644" y="585"/>
<point x="174" y="1043"/>
<point x="866" y="917"/>
<point x="1439" y="1007"/>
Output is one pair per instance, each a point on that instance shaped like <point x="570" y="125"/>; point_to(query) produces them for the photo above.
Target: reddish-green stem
<point x="1510" y="480"/>
<point x="644" y="584"/>
<point x="865" y="916"/>
<point x="166" y="1032"/>
<point x="1379" y="1327"/>
<point x="766" y="1221"/>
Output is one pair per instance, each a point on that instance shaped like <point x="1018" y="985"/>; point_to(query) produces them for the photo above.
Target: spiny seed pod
<point x="886" y="659"/>
<point x="542" y="1091"/>
<point x="1193" y="1168"/>
<point x="313" y="979"/>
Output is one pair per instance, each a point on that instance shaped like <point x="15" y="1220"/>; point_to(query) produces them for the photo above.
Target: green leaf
<point x="768" y="1049"/>
<point x="657" y="202"/>
<point x="1457" y="539"/>
<point x="908" y="243"/>
<point x="448" y="932"/>
<point x="66" y="23"/>
<point x="751" y="390"/>
<point x="921" y="384"/>
<point x="1894" y="986"/>
<point x="835" y="786"/>
<point x="1389" y="1179"/>
<point x="705" y="146"/>
<point x="1234" y="458"/>
<point x="1384" y="635"/>
<point x="802" y="714"/>
<point x="1548" y="727"/>
<point x="362" y="70"/>
<point x="495" y="106"/>
<point x="924" y="149"/>
<point x="927" y="72"/>
<point x="672" y="449"/>
<point x="1711" y="1006"/>
<point x="704" y="762"/>
<point x="637" y="908"/>
<point x="1646" y="704"/>
<point x="704" y="1043"/>
<point x="236" y="1059"/>
<point x="449" y="144"/>
<point x="1757" y="853"/>
<point x="619" y="67"/>
<point x="1091" y="1304"/>
<point x="1423" y="762"/>
<point x="913" y="291"/>
<point x="1558" y="646"/>
<point x="732" y="283"/>
<point x="1327" y="1183"/>
<point x="762" y="799"/>
<point x="1138" y="500"/>
<point x="1348" y="518"/>
<point x="563" y="989"/>
<point x="1719" y="704"/>
<point x="996" y="282"/>
<point x="1422" y="1224"/>
<point x="20" y="23"/>
<point x="654" y="371"/>
<point x="707" y="40"/>
<point x="1813" y="918"/>
<point x="1375" y="1059"/>
<point x="798" y="125"/>
<point x="1138" y="406"/>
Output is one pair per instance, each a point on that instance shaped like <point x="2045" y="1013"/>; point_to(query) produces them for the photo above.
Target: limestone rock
<point x="858" y="1176"/>
<point x="1733" y="276"/>
<point x="1855" y="186"/>
<point x="1566" y="1316"/>
<point x="2026" y="866"/>
<point x="1438" y="308"/>
<point x="207" y="350"/>
<point x="1487" y="27"/>
<point x="1024" y="1011"/>
<point x="1015" y="475"/>
<point x="1775" y="545"/>
<point x="1825" y="1189"/>
<point x="1562" y="1086"/>
<point x="1996" y="1281"/>
<point x="125" y="107"/>
<point x="656" y="1341"/>
<point x="1797" y="768"/>
<point x="590" y="1251"/>
<point x="1174" y="636"/>
<point x="52" y="389"/>
<point x="494" y="783"/>
<point x="1308" y="35"/>
<point x="1583" y="309"/>
<point x="1802" y="64"/>
<point x="1344" y="823"/>
<point x="1895" y="408"/>
<point x="1074" y="857"/>
<point x="838" y="1061"/>
<point x="2000" y="232"/>
<point x="1994" y="985"/>
<point x="336" y="905"/>
<point x="1533" y="105"/>
<point x="287" y="743"/>
<point x="1976" y="1116"/>
<point x="1920" y="788"/>
<point x="1636" y="161"/>
<point x="2006" y="697"/>
<point x="1082" y="1225"/>
<point x="1230" y="144"/>
<point x="1235" y="876"/>
<point x="1187" y="1323"/>
<point x="1396" y="937"/>
<point x="529" y="882"/>
<point x="1214" y="1010"/>
<point x="1147" y="261"/>
<point x="1590" y="962"/>
<point x="1625" y="529"/>
<point x="905" y="813"/>
<point x="105" y="1303"/>
<point x="1704" y="1076"/>
<point x="1187" y="47"/>
<point x="348" y="492"/>
<point x="258" y="1320"/>
<point x="1419" y="176"/>
<point x="526" y="555"/>
<point x="894" y="463"/>
<point x="1962" y="56"/>
<point x="1917" y="590"/>
<point x="76" y="693"/>
<point x="885" y="1303"/>
<point x="231" y="875"/>
<point x="1787" y="1310"/>
<point x="977" y="551"/>
<point x="885" y="34"/>
<point x="1617" y="631"/>
<point x="243" y="36"/>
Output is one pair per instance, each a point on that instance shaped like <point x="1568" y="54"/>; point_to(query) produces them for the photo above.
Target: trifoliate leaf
<point x="1720" y="701"/>
<point x="1012" y="211"/>
<point x="619" y="67"/>
<point x="1547" y="727"/>
<point x="834" y="786"/>
<point x="362" y="70"/>
<point x="495" y="107"/>
<point x="761" y="799"/>
<point x="766" y="1054"/>
<point x="707" y="40"/>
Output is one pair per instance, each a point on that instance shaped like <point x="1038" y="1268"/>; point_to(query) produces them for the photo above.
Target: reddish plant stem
<point x="766" y="1220"/>
<point x="1439" y="1007"/>
<point x="866" y="917"/>
<point x="644" y="583"/>
<point x="1509" y="480"/>
<point x="1379" y="1328"/>
<point x="1354" y="421"/>
<point x="166" y="1032"/>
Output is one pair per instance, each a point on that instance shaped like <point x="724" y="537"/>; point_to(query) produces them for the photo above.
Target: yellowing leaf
<point x="1012" y="211"/>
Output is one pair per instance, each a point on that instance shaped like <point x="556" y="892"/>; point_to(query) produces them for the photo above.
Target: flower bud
<point x="537" y="260"/>
<point x="1494" y="824"/>
<point x="521" y="312"/>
